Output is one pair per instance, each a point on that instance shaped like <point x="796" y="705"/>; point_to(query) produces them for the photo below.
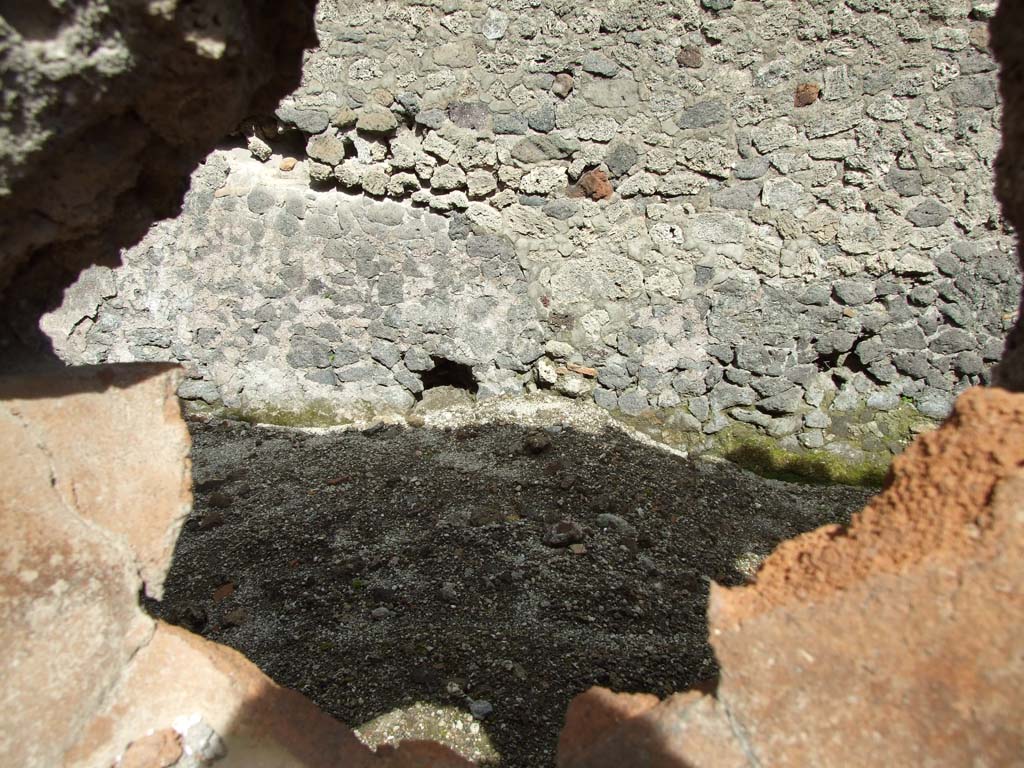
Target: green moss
<point x="763" y="455"/>
<point x="903" y="423"/>
<point x="871" y="437"/>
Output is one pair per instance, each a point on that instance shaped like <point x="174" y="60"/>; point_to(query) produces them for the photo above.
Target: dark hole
<point x="853" y="363"/>
<point x="828" y="361"/>
<point x="448" y="373"/>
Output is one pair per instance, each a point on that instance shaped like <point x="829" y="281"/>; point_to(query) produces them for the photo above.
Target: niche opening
<point x="448" y="373"/>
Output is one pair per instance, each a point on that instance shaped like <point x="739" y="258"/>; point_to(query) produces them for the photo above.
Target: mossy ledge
<point x="860" y="448"/>
<point x="745" y="446"/>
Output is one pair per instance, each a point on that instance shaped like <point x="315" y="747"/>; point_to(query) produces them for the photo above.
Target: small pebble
<point x="563" y="85"/>
<point x="380" y="613"/>
<point x="448" y="593"/>
<point x="563" y="533"/>
<point x="211" y="519"/>
<point x="259" y="149"/>
<point x="480" y="708"/>
<point x="608" y="520"/>
<point x="536" y="442"/>
<point x="220" y="500"/>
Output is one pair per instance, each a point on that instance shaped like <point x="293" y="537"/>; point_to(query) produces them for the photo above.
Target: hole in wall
<point x="828" y="361"/>
<point x="448" y="373"/>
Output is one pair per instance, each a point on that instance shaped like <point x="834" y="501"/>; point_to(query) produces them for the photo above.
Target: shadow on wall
<point x="404" y="578"/>
<point x="175" y="78"/>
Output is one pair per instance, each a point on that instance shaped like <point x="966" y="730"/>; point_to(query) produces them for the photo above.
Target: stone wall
<point x="947" y="594"/>
<point x="775" y="213"/>
<point x="148" y="88"/>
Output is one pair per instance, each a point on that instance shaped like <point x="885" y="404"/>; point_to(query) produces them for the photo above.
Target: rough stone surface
<point x="729" y="202"/>
<point x="148" y="88"/>
<point x="89" y="516"/>
<point x="806" y="94"/>
<point x="257" y="723"/>
<point x="605" y="729"/>
<point x="595" y="185"/>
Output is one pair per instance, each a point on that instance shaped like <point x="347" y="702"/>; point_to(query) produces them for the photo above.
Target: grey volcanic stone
<point x="786" y="402"/>
<point x="930" y="213"/>
<point x="904" y="183"/>
<point x="762" y="360"/>
<point x="308" y="352"/>
<point x="542" y="119"/>
<point x="260" y="200"/>
<point x="327" y="148"/>
<point x="870" y="350"/>
<point x="976" y="91"/>
<point x="769" y="386"/>
<point x="704" y="114"/>
<point x="904" y="337"/>
<point x="511" y="123"/>
<point x="913" y="364"/>
<point x="597" y="64"/>
<point x="633" y="402"/>
<point x="952" y="340"/>
<point x="969" y="363"/>
<point x="618" y="92"/>
<point x="431" y="118"/>
<point x="729" y="395"/>
<point x="619" y="158"/>
<point x="418" y="360"/>
<point x="199" y="389"/>
<point x="751" y="168"/>
<point x="854" y="292"/>
<point x="309" y="121"/>
<point x="385" y="353"/>
<point x="377" y="121"/>
<point x="835" y="341"/>
<point x="472" y="115"/>
<point x="817" y="295"/>
<point x="560" y="209"/>
<point x="486" y="247"/>
<point x="738" y="196"/>
<point x="606" y="399"/>
<point x="537" y="149"/>
<point x="614" y="376"/>
<point x="407" y="379"/>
